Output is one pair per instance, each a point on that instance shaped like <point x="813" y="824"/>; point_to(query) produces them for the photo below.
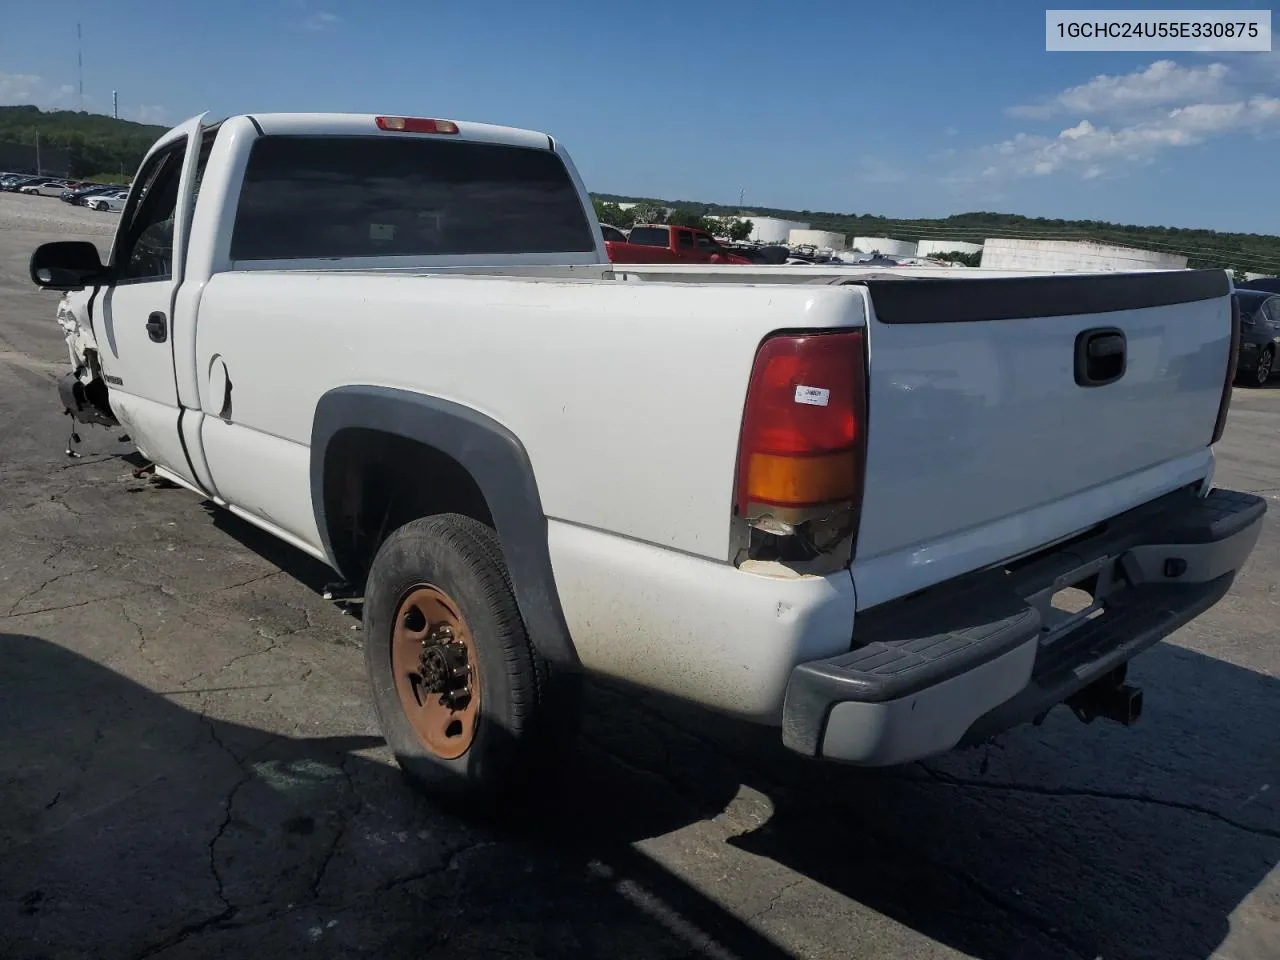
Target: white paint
<point x="980" y="444"/>
<point x="578" y="414"/>
<point x="994" y="408"/>
<point x="696" y="629"/>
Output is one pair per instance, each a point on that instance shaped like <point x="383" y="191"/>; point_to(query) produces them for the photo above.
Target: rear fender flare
<point x="498" y="463"/>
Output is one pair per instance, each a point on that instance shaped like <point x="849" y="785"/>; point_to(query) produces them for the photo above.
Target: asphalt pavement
<point x="189" y="764"/>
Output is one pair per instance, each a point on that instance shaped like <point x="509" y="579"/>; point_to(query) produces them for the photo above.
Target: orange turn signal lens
<point x="791" y="481"/>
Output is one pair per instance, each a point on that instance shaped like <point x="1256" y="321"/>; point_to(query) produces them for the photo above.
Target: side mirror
<point x="67" y="265"/>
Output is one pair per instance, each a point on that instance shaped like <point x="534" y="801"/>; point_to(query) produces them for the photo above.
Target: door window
<point x="145" y="252"/>
<point x="1272" y="308"/>
<point x="684" y="239"/>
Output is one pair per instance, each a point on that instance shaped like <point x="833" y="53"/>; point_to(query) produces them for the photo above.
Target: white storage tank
<point x="822" y="239"/>
<point x="885" y="245"/>
<point x="1066" y="255"/>
<point x="929" y="248"/>
<point x="771" y="229"/>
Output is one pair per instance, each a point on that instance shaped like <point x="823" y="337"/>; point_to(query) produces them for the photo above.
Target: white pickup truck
<point x="848" y="503"/>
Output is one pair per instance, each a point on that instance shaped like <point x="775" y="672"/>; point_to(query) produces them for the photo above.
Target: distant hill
<point x="94" y="143"/>
<point x="1243" y="252"/>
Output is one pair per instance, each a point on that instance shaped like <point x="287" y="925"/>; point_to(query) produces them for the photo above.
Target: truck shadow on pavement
<point x="133" y="827"/>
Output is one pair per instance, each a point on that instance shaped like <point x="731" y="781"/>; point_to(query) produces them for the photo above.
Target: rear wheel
<point x="1262" y="372"/>
<point x="461" y="693"/>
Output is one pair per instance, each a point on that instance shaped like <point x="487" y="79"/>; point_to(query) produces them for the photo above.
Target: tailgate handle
<point x="1100" y="356"/>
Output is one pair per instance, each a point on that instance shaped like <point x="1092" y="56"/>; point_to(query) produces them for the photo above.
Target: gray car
<point x="1259" y="335"/>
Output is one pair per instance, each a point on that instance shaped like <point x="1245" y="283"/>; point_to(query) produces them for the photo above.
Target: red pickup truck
<point x="662" y="243"/>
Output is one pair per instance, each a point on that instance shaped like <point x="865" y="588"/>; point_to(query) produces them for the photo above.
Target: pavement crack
<point x="183" y="933"/>
<point x="1095" y="794"/>
<point x="78" y="603"/>
<point x="449" y="863"/>
<point x="242" y="583"/>
<point x="776" y="898"/>
<point x="142" y="638"/>
<point x="339" y="834"/>
<point x="44" y="584"/>
<point x="228" y="911"/>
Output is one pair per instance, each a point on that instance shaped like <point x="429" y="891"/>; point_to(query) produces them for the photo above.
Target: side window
<point x="684" y="239"/>
<point x="202" y="163"/>
<point x="1272" y="308"/>
<point x="706" y="242"/>
<point x="146" y="249"/>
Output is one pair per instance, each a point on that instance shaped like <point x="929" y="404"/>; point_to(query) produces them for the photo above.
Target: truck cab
<point x="666" y="243"/>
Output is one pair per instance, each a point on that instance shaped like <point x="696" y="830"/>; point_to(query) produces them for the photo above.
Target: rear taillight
<point x="802" y="452"/>
<point x="1233" y="358"/>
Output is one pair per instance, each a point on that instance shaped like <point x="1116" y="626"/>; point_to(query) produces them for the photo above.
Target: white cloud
<point x="1160" y="84"/>
<point x="1119" y="122"/>
<point x="148" y="113"/>
<point x="321" y="20"/>
<point x="27" y="88"/>
<point x="875" y="170"/>
<point x="1090" y="150"/>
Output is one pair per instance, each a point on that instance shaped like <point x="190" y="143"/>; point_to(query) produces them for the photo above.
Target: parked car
<point x="821" y="498"/>
<point x="1268" y="284"/>
<point x="15" y="183"/>
<point x="79" y="195"/>
<point x="44" y="188"/>
<point x="107" y="201"/>
<point x="1259" y="335"/>
<point x="663" y="243"/>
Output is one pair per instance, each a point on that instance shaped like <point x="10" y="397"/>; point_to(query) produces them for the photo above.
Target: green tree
<point x="612" y="214"/>
<point x="955" y="256"/>
<point x="740" y="229"/>
<point x="685" y="217"/>
<point x="646" y="211"/>
<point x="93" y="142"/>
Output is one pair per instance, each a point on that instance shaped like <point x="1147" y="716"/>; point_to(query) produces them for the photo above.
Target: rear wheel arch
<point x="467" y="463"/>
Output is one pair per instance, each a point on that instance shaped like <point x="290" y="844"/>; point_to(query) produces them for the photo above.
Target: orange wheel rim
<point x="433" y="658"/>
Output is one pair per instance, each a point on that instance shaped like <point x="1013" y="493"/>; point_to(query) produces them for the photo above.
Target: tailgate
<point x="983" y="440"/>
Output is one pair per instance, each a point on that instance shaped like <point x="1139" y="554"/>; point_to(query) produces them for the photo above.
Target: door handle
<point x="1101" y="356"/>
<point x="158" y="327"/>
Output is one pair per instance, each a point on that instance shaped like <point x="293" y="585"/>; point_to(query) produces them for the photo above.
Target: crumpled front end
<point x="83" y="391"/>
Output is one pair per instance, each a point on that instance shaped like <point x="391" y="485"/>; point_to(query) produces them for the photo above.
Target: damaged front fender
<point x="83" y="391"/>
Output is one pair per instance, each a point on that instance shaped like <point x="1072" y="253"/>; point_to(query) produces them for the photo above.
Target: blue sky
<point x="909" y="109"/>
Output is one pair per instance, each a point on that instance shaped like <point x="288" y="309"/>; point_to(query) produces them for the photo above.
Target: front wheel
<point x="461" y="693"/>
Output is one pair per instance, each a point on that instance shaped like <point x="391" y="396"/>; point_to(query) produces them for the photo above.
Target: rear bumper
<point x="965" y="660"/>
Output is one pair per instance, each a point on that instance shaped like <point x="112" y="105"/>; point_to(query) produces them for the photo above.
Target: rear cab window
<point x="336" y="197"/>
<point x="651" y="236"/>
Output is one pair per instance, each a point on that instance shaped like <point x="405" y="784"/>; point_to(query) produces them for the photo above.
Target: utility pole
<point x="742" y="194"/>
<point x="39" y="169"/>
<point x="80" y="64"/>
<point x="115" y="104"/>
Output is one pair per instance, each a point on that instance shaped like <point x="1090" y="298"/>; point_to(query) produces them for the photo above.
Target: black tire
<point x="515" y="732"/>
<point x="1262" y="371"/>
